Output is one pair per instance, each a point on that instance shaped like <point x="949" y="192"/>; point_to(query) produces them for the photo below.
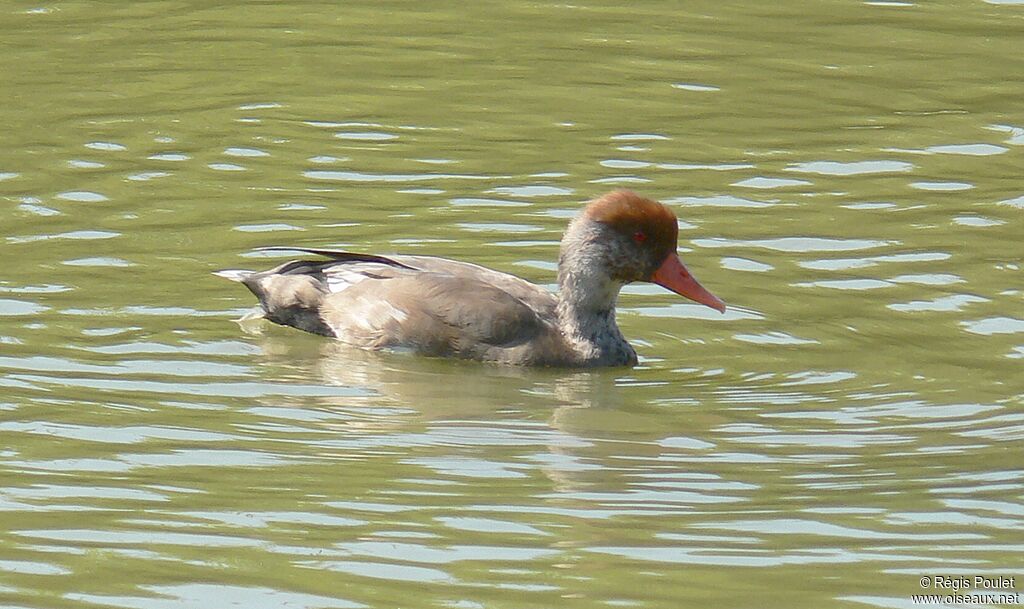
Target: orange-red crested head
<point x="642" y="220"/>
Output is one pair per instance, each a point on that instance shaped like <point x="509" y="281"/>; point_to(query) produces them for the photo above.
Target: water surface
<point x="847" y="177"/>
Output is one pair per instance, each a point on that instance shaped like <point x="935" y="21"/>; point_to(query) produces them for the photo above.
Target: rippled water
<point x="848" y="180"/>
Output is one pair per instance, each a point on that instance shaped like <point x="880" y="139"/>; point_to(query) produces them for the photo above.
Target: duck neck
<point x="586" y="311"/>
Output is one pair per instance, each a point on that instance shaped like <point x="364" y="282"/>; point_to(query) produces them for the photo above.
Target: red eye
<point x="639" y="236"/>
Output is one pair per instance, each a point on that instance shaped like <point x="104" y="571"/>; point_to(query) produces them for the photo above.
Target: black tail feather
<point x="336" y="255"/>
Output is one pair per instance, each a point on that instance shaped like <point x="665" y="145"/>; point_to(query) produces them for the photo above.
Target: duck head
<point x="621" y="238"/>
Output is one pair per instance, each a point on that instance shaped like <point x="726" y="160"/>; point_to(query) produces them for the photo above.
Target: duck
<point x="439" y="307"/>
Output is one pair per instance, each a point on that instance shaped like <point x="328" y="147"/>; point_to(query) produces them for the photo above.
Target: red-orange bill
<point x="674" y="275"/>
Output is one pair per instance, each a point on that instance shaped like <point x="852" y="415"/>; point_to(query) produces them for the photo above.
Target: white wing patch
<point x="341" y="279"/>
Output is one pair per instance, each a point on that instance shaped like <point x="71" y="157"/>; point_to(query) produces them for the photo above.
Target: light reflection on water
<point x="858" y="405"/>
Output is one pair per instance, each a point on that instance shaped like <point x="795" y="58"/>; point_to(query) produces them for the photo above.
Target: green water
<point x="849" y="180"/>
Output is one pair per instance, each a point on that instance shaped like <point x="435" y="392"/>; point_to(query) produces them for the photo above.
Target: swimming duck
<point x="440" y="307"/>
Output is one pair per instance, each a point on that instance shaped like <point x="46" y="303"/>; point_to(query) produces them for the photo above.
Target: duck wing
<point x="345" y="269"/>
<point x="434" y="314"/>
<point x="424" y="304"/>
